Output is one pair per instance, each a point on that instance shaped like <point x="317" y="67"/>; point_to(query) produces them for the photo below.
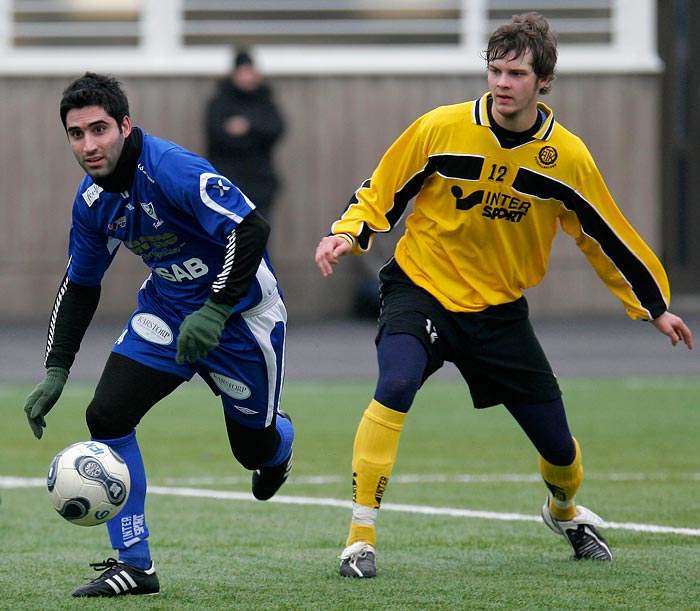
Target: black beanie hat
<point x="243" y="58"/>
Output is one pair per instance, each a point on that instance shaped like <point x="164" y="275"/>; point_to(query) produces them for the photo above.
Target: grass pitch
<point x="459" y="529"/>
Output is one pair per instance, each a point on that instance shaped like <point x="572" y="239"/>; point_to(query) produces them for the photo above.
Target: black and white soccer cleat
<point x="580" y="532"/>
<point x="266" y="481"/>
<point x="358" y="560"/>
<point x="118" y="579"/>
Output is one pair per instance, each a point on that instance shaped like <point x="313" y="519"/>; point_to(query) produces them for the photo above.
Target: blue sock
<point x="138" y="555"/>
<point x="285" y="430"/>
<point x="127" y="530"/>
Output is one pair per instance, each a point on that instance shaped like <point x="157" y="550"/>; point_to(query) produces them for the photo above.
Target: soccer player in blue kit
<point x="211" y="305"/>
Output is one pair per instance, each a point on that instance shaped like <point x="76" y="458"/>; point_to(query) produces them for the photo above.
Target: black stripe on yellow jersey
<point x="630" y="266"/>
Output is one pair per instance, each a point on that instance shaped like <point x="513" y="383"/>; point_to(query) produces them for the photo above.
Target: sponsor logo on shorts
<point x="152" y="329"/>
<point x="245" y="410"/>
<point x="233" y="388"/>
<point x="120" y="339"/>
<point x="431" y="330"/>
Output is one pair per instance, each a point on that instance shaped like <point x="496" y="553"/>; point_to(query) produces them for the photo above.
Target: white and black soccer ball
<point x="88" y="483"/>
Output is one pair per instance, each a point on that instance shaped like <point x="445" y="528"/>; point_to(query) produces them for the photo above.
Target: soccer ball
<point x="88" y="483"/>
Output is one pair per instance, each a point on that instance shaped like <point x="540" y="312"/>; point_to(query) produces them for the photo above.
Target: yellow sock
<point x="374" y="455"/>
<point x="362" y="532"/>
<point x="563" y="483"/>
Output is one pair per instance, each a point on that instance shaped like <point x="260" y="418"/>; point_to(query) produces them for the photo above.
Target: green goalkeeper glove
<point x="201" y="331"/>
<point x="44" y="397"/>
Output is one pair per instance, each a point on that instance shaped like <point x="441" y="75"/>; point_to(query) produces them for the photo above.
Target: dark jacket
<point x="245" y="160"/>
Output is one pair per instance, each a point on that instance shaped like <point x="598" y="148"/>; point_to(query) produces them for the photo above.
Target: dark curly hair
<point x="526" y="32"/>
<point x="93" y="89"/>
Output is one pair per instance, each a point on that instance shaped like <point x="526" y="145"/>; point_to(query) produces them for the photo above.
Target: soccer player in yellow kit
<point x="493" y="179"/>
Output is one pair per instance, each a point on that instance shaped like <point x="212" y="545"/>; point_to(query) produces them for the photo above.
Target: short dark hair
<point x="529" y="31"/>
<point x="93" y="89"/>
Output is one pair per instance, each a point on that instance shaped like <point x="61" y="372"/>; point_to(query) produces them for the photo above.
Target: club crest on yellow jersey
<point x="547" y="157"/>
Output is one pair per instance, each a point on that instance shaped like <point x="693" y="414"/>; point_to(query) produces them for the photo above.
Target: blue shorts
<point x="246" y="369"/>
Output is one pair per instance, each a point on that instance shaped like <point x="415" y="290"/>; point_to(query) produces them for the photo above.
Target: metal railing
<point x="305" y="36"/>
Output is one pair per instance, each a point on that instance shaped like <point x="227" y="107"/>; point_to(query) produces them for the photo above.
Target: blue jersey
<point x="179" y="216"/>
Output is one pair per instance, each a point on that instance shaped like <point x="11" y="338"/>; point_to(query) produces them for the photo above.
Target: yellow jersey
<point x="485" y="215"/>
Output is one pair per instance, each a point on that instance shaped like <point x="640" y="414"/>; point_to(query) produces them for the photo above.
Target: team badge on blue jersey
<point x="150" y="210"/>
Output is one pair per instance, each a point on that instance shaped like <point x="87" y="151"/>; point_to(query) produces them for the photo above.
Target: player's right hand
<point x="43" y="398"/>
<point x="328" y="251"/>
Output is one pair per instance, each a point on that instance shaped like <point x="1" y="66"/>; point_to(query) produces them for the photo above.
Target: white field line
<point x="18" y="482"/>
<point x="438" y="478"/>
<point x="434" y="478"/>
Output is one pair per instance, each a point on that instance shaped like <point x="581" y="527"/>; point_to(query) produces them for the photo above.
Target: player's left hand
<point x="673" y="326"/>
<point x="200" y="332"/>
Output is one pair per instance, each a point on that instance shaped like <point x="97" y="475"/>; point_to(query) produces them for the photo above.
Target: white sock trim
<point x="363" y="515"/>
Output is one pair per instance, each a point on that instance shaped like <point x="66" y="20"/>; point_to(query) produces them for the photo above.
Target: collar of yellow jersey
<point x="480" y="116"/>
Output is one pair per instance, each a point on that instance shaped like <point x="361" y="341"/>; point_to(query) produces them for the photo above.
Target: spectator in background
<point x="243" y="124"/>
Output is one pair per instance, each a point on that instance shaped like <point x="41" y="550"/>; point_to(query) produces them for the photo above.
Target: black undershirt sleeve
<point x="72" y="312"/>
<point x="245" y="250"/>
